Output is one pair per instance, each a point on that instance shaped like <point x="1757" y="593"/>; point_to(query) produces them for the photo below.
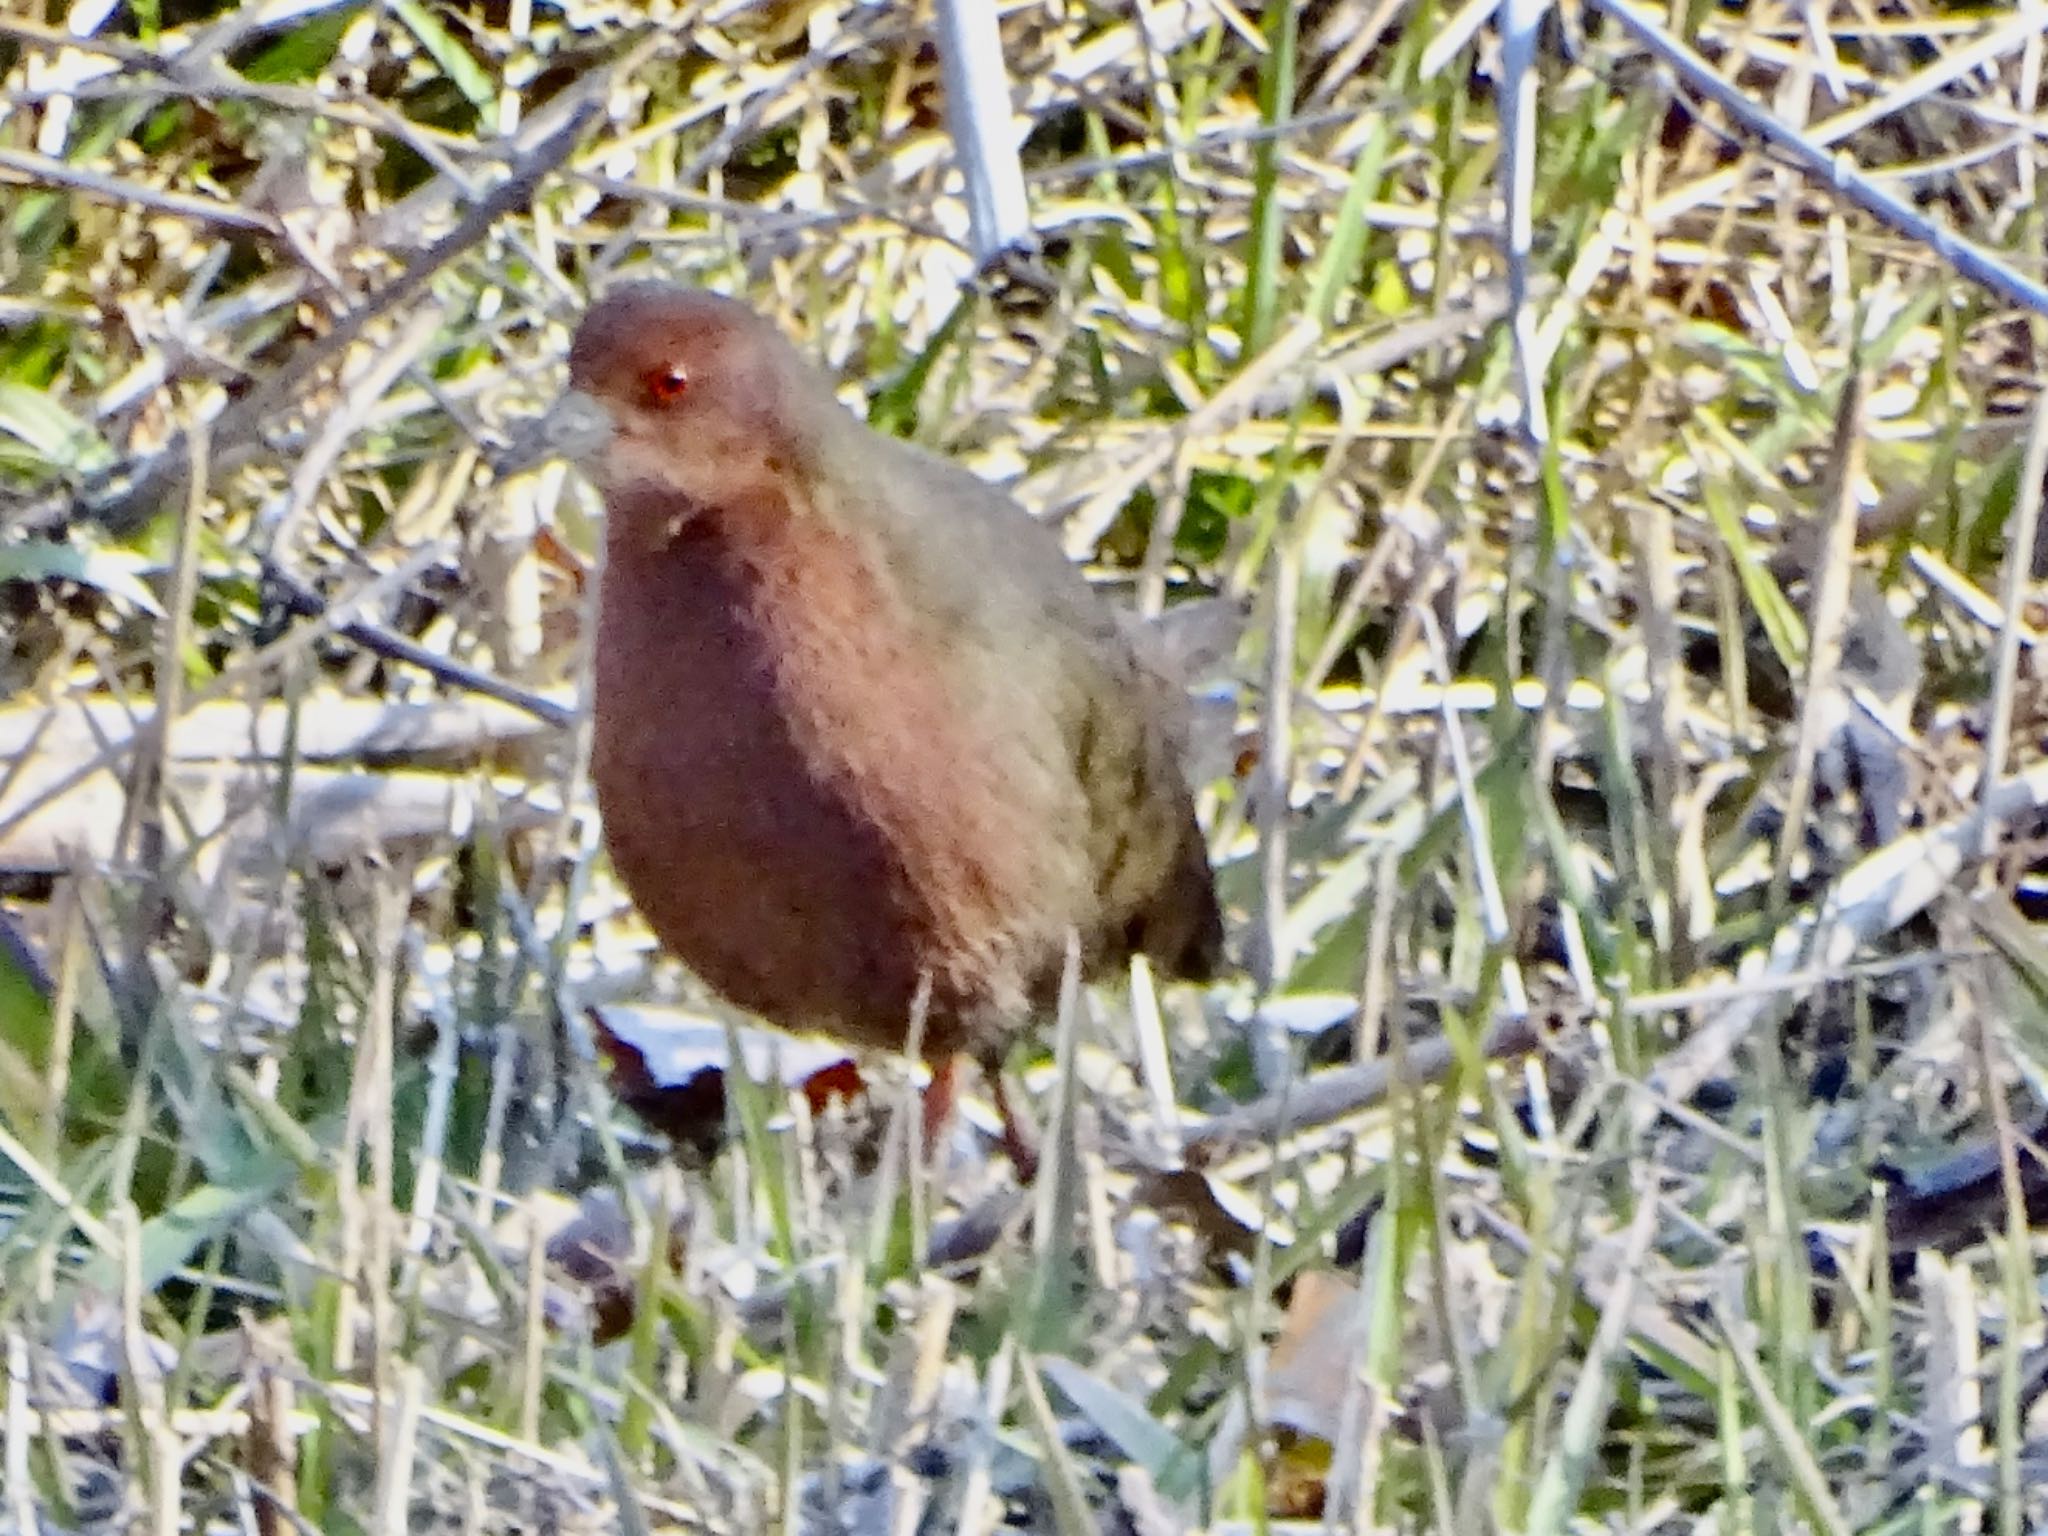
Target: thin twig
<point x="2019" y="562"/>
<point x="1839" y="173"/>
<point x="125" y="496"/>
<point x="42" y="171"/>
<point x="306" y="603"/>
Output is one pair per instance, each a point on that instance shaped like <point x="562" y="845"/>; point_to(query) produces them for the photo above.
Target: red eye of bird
<point x="666" y="384"/>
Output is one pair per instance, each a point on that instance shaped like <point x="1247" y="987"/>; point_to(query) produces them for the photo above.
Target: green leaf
<point x="1340" y="261"/>
<point x="1118" y="1415"/>
<point x="208" y="1212"/>
<point x="25" y="1030"/>
<point x="59" y="438"/>
<point x="454" y="59"/>
<point x="1782" y="625"/>
<point x="1269" y="212"/>
<point x="304" y="51"/>
<point x="894" y="408"/>
<point x="113" y="571"/>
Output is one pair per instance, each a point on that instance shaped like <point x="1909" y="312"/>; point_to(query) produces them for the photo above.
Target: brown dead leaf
<point x="669" y="1068"/>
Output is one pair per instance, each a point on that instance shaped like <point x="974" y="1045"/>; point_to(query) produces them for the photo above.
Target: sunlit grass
<point x="304" y="1038"/>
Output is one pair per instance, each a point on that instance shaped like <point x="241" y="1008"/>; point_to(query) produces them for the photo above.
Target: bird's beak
<point x="575" y="427"/>
<point x="579" y="426"/>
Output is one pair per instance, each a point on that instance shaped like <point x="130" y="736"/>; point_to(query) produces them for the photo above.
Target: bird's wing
<point x="1157" y="892"/>
<point x="1119" y="710"/>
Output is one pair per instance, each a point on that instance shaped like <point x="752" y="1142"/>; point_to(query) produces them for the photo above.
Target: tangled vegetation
<point x="1626" y="792"/>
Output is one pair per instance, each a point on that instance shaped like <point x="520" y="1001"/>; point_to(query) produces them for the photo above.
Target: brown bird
<point x="860" y="726"/>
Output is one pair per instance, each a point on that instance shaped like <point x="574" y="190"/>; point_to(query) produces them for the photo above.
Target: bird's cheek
<point x="640" y="457"/>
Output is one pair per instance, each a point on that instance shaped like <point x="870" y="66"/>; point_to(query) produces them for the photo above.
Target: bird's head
<point x="686" y="391"/>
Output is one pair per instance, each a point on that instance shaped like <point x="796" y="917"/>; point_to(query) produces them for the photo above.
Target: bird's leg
<point x="1020" y="1135"/>
<point x="940" y="1095"/>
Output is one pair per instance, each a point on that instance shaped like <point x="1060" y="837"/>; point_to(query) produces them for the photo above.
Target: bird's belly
<point x="799" y="809"/>
<point x="784" y="903"/>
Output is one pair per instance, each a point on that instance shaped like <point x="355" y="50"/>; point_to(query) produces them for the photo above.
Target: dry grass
<point x="1633" y="834"/>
